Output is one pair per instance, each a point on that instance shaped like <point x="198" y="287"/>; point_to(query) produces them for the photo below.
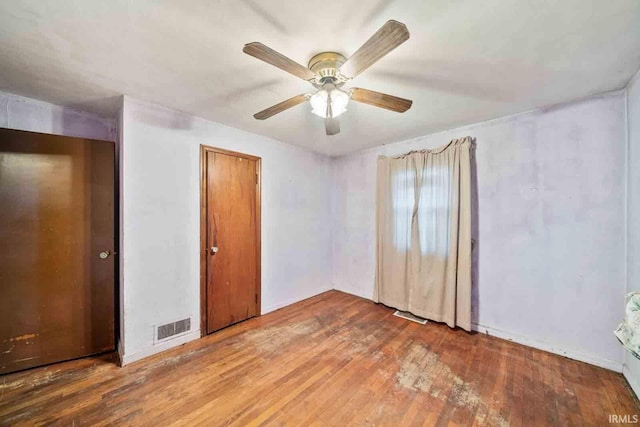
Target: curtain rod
<point x="438" y="150"/>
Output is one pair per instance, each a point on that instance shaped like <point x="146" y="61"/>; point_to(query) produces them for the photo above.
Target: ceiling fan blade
<point x="382" y="100"/>
<point x="280" y="107"/>
<point x="270" y="56"/>
<point x="391" y="35"/>
<point x="332" y="126"/>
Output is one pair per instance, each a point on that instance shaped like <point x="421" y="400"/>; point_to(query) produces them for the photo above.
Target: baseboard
<point x="274" y="307"/>
<point x="125" y="359"/>
<point x="529" y="342"/>
<point x="520" y="339"/>
<point x="632" y="382"/>
<point x="160" y="347"/>
<point x="551" y="348"/>
<point x="354" y="293"/>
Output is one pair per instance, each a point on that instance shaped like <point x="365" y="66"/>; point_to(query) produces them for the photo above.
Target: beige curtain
<point x="423" y="210"/>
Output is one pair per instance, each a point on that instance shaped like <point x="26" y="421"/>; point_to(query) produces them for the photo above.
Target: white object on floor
<point x="409" y="316"/>
<point x="628" y="332"/>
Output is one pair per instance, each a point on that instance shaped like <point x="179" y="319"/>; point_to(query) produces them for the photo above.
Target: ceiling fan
<point x="329" y="71"/>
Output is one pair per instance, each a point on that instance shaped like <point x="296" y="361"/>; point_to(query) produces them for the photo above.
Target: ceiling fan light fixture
<point x="339" y="101"/>
<point x="320" y="99"/>
<point x="318" y="103"/>
<point x="329" y="71"/>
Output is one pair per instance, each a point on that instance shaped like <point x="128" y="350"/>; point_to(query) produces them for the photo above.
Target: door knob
<point x="214" y="249"/>
<point x="104" y="254"/>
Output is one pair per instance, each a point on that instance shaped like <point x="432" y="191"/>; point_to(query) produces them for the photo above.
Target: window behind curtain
<point x="423" y="233"/>
<point x="433" y="216"/>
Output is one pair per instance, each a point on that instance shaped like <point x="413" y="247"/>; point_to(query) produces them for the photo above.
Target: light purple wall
<point x="161" y="220"/>
<point x="551" y="225"/>
<point x="632" y="365"/>
<point x="18" y="112"/>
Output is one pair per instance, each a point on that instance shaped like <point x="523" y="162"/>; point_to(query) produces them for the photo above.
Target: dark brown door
<point x="56" y="248"/>
<point x="232" y="238"/>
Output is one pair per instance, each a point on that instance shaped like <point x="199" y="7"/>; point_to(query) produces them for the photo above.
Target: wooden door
<point x="56" y="217"/>
<point x="230" y="237"/>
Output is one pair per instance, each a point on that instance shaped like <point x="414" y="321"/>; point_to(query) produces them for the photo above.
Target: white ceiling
<point x="466" y="61"/>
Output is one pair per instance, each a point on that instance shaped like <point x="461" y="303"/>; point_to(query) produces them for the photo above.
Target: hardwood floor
<point x="334" y="359"/>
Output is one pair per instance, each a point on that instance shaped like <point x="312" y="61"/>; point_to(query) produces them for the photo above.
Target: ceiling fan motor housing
<point x="327" y="66"/>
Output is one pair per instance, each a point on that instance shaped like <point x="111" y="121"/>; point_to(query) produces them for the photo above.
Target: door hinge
<point x="256" y="298"/>
<point x="256" y="179"/>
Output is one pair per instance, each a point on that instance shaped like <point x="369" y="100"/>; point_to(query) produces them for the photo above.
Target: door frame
<point x="204" y="248"/>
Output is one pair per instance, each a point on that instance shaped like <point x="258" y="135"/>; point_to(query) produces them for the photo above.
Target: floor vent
<point x="409" y="316"/>
<point x="172" y="329"/>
